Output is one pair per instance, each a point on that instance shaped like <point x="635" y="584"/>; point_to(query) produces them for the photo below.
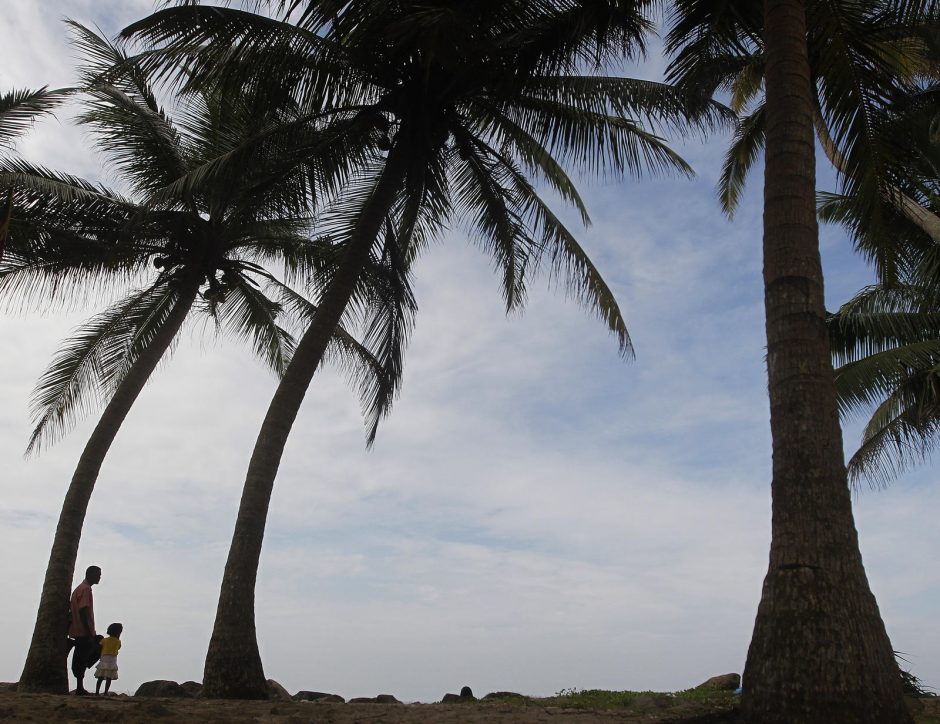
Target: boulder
<point x="380" y="699"/>
<point x="162" y="688"/>
<point x="318" y="696"/>
<point x="466" y="694"/>
<point x="503" y="695"/>
<point x="9" y="687"/>
<point x="725" y="682"/>
<point x="193" y="688"/>
<point x="277" y="692"/>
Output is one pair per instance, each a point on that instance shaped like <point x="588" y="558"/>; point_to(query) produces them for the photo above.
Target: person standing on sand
<point x="107" y="670"/>
<point x="82" y="627"/>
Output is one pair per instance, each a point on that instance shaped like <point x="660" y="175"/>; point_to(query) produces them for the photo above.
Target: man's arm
<point x="86" y="622"/>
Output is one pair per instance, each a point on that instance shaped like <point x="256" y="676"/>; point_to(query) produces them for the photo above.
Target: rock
<point x="318" y="696"/>
<point x="193" y="688"/>
<point x="503" y="695"/>
<point x="277" y="692"/>
<point x="725" y="682"/>
<point x="466" y="694"/>
<point x="380" y="699"/>
<point x="8" y="687"/>
<point x="162" y="688"/>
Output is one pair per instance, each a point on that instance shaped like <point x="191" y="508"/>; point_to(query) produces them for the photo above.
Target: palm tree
<point x="886" y="338"/>
<point x="18" y="110"/>
<point x="861" y="55"/>
<point x="198" y="252"/>
<point x="819" y="652"/>
<point x="468" y="103"/>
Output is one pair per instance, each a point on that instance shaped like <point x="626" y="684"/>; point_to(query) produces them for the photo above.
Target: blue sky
<point x="535" y="514"/>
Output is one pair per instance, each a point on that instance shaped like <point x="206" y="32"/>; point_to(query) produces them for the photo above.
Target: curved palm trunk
<point x="926" y="220"/>
<point x="45" y="668"/>
<point x="233" y="663"/>
<point x="819" y="652"/>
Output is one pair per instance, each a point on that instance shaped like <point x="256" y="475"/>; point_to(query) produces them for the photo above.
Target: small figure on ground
<point x="107" y="670"/>
<point x="82" y="627"/>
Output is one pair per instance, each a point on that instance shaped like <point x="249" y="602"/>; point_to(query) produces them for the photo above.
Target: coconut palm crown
<point x="167" y="256"/>
<point x="18" y="110"/>
<point x="469" y="106"/>
<point x="863" y="56"/>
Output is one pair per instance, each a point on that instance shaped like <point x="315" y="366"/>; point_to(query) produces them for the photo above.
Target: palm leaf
<point x="91" y="362"/>
<point x="19" y="109"/>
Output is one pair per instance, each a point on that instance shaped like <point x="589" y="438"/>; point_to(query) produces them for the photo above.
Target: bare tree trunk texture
<point x="819" y="652"/>
<point x="233" y="666"/>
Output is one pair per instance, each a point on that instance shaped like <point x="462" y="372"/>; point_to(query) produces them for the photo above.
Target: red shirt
<point x="81" y="598"/>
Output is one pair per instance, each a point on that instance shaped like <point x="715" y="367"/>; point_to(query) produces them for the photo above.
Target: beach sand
<point x="16" y="707"/>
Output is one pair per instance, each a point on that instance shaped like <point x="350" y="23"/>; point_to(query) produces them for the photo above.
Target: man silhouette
<point x="82" y="626"/>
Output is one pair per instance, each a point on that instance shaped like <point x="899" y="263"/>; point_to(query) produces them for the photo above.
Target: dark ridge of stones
<point x="380" y="699"/>
<point x="504" y="695"/>
<point x="319" y="696"/>
<point x="162" y="688"/>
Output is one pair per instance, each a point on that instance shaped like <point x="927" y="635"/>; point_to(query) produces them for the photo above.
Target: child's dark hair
<point x="115" y="629"/>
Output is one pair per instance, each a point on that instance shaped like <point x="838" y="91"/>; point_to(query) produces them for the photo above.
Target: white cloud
<point x="535" y="514"/>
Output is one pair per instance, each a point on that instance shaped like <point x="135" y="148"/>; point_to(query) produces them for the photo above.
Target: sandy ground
<point x="51" y="708"/>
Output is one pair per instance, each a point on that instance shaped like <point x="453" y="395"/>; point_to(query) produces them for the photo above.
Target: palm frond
<point x="20" y="108"/>
<point x="91" y="362"/>
<point x="746" y="146"/>
<point x="251" y="315"/>
<point x="895" y="439"/>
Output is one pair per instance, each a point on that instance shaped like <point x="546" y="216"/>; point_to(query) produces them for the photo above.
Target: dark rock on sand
<point x="319" y="696"/>
<point x="278" y="692"/>
<point x="193" y="688"/>
<point x="503" y="695"/>
<point x="725" y="682"/>
<point x="466" y="694"/>
<point x="380" y="699"/>
<point x="162" y="688"/>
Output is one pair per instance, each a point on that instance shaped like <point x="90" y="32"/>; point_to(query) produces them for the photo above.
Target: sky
<point x="536" y="513"/>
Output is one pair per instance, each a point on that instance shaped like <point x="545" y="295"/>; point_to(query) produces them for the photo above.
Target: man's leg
<point x="80" y="662"/>
<point x="98" y="687"/>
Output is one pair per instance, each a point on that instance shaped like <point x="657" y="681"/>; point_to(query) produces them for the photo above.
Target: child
<point x="107" y="668"/>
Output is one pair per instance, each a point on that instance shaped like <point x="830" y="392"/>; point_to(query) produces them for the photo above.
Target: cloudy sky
<point x="536" y="513"/>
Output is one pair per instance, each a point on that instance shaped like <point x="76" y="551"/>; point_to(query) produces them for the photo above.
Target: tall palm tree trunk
<point x="45" y="668"/>
<point x="233" y="667"/>
<point x="819" y="651"/>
